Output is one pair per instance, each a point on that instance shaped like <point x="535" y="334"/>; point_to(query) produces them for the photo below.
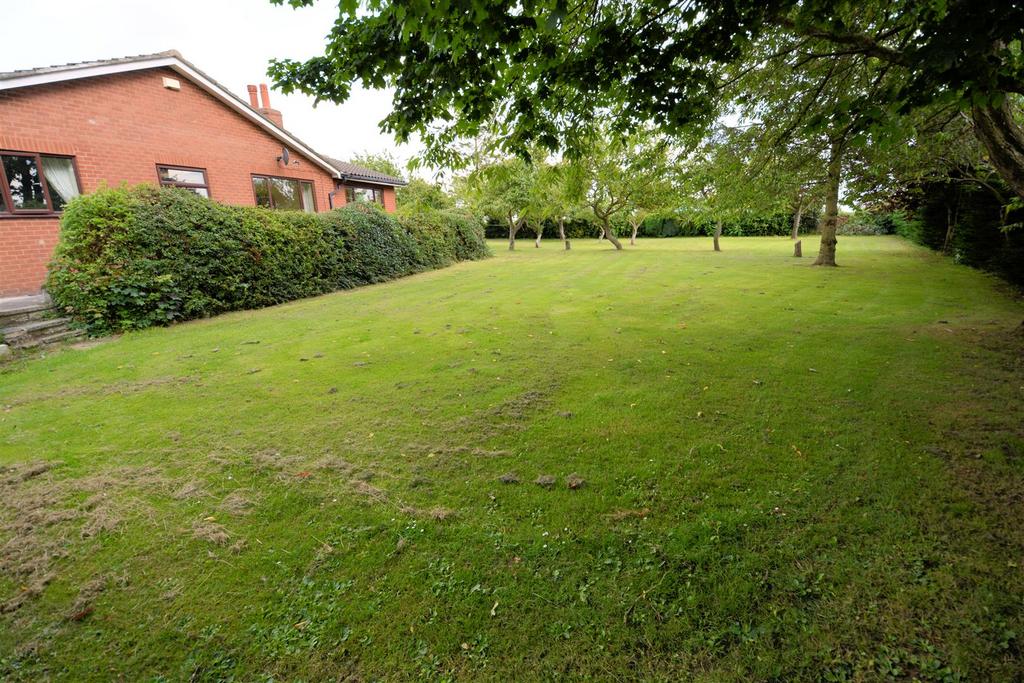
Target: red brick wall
<point x="26" y="245"/>
<point x="389" y="199"/>
<point x="119" y="128"/>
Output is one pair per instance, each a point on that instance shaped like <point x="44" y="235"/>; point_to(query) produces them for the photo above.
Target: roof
<point x="73" y="66"/>
<point x="173" y="60"/>
<point x="361" y="173"/>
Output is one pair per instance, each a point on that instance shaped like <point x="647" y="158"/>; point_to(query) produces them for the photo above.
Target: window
<point x="363" y="194"/>
<point x="193" y="179"/>
<point x="286" y="194"/>
<point x="36" y="183"/>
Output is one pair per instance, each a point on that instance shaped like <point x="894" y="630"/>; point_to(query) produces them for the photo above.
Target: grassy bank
<point x="781" y="472"/>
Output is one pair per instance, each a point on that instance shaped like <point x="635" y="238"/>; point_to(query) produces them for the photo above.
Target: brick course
<point x="119" y="128"/>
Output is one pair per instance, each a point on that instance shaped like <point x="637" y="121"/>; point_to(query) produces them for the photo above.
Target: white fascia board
<point x="185" y="70"/>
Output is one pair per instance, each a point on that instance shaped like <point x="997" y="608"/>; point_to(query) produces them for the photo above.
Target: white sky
<point x="231" y="40"/>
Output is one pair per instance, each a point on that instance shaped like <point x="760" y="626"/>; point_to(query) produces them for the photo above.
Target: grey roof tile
<point x="356" y="172"/>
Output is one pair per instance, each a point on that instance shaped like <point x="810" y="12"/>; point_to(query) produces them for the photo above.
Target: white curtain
<point x="60" y="176"/>
<point x="307" y="197"/>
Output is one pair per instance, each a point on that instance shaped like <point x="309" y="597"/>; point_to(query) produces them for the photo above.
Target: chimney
<point x="272" y="115"/>
<point x="253" y="102"/>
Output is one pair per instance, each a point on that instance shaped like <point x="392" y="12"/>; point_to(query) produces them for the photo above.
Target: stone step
<point x="37" y="332"/>
<point x="13" y="318"/>
<point x="65" y="335"/>
<point x="21" y="309"/>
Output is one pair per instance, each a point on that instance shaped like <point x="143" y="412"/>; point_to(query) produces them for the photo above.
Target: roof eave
<point x="372" y="181"/>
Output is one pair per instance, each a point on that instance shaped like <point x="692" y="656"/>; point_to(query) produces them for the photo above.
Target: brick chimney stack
<point x="272" y="115"/>
<point x="253" y="102"/>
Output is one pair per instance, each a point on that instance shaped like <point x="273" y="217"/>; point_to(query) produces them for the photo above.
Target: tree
<point x="942" y="153"/>
<point x="503" y="190"/>
<point x="554" y="199"/>
<point x="382" y="163"/>
<point x="659" y="196"/>
<point x="615" y="173"/>
<point x="420" y="195"/>
<point x="802" y="100"/>
<point x="416" y="194"/>
<point x="724" y="180"/>
<point x="548" y="69"/>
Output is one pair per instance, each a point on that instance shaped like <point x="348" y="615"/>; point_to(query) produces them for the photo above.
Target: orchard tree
<point x="724" y="181"/>
<point x="793" y="172"/>
<point x="503" y="190"/>
<point x="555" y="198"/>
<point x="614" y="174"/>
<point x="548" y="69"/>
<point x="660" y="196"/>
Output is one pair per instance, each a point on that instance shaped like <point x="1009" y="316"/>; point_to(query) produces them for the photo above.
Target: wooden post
<point x="796" y="249"/>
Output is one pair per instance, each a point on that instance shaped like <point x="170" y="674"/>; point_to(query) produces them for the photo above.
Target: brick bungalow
<point x="69" y="129"/>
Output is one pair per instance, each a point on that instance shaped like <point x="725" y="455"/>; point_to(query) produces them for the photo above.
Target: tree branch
<point x="859" y="42"/>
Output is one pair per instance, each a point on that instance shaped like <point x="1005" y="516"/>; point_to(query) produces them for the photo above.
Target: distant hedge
<point x="131" y="258"/>
<point x="778" y="224"/>
<point x="766" y="225"/>
<point x="970" y="223"/>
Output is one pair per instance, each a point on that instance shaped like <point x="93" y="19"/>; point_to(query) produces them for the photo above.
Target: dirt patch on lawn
<point x="332" y="463"/>
<point x="43" y="515"/>
<point x="454" y="449"/>
<point x="438" y="514"/>
<point x="209" y="530"/>
<point x="237" y="503"/>
<point x="515" y="411"/>
<point x="274" y="460"/>
<point x="368" y="490"/>
<point x="119" y="388"/>
<point x="82" y="607"/>
<point x="192" y="489"/>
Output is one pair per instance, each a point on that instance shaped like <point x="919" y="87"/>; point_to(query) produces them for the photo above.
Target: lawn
<point x="761" y="471"/>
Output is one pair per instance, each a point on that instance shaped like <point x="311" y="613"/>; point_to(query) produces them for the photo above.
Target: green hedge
<point x="130" y="258"/>
<point x="768" y="225"/>
<point x="445" y="236"/>
<point x="979" y="237"/>
<point x="779" y="224"/>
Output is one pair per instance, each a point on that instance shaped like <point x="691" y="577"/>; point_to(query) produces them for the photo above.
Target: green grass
<point x="791" y="473"/>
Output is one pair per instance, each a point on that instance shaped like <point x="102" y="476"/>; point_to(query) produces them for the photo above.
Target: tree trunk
<point x="949" y="229"/>
<point x="632" y="237"/>
<point x="718" y="234"/>
<point x="513" y="228"/>
<point x="561" y="233"/>
<point x="1003" y="139"/>
<point x="952" y="218"/>
<point x="610" y="236"/>
<point x="827" y="251"/>
<point x="540" y="232"/>
<point x="796" y="218"/>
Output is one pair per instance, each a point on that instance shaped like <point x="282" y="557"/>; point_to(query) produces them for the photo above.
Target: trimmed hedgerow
<point x="131" y="258"/>
<point x="445" y="236"/>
